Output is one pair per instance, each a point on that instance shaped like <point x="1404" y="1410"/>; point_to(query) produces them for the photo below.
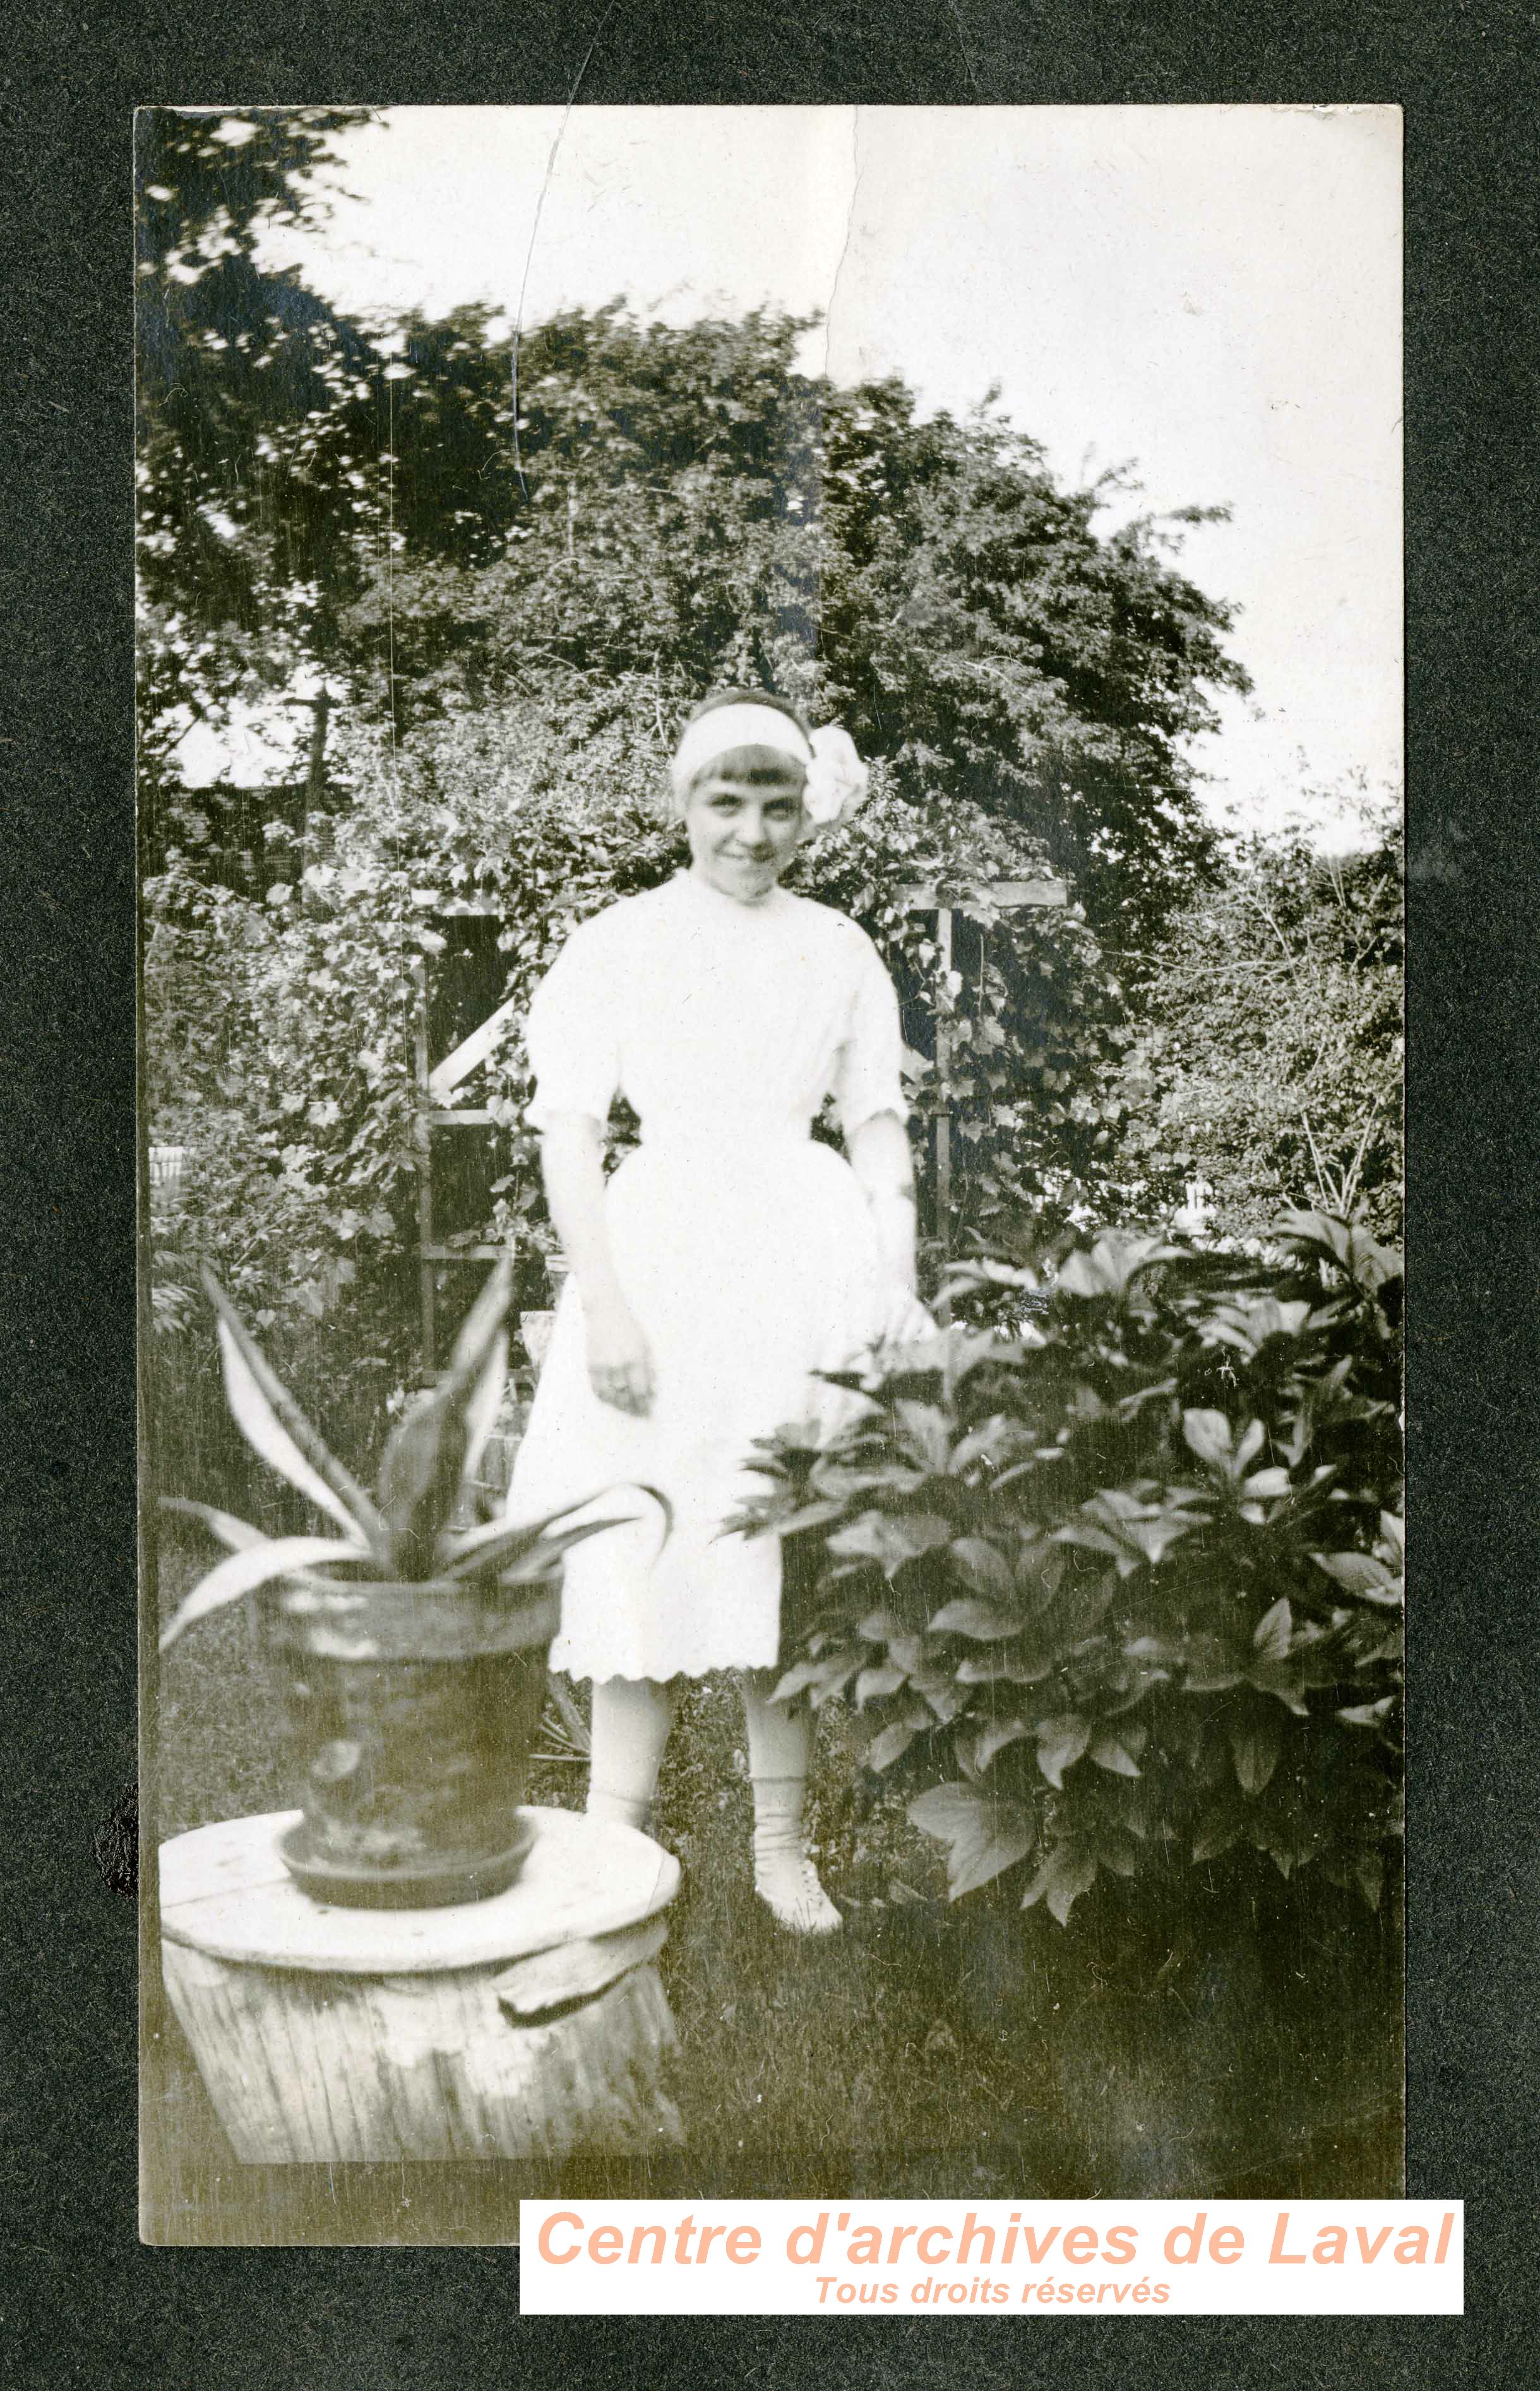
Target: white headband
<point x="838" y="781"/>
<point x="727" y="727"/>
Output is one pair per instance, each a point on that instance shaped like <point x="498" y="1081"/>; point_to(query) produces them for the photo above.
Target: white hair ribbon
<point x="838" y="780"/>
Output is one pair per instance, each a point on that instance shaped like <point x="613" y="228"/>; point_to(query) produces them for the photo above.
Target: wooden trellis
<point x="1006" y="897"/>
<point x="433" y="1087"/>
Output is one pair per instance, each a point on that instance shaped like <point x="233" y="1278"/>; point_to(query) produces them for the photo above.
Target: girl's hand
<point x="621" y="1365"/>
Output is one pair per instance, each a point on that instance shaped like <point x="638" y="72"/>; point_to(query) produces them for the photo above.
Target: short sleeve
<point x="572" y="1033"/>
<point x="868" y="1071"/>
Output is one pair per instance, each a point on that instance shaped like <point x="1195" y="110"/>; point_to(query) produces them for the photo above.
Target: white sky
<point x="1212" y="293"/>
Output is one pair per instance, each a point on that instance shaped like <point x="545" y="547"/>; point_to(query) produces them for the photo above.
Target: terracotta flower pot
<point x="410" y="1713"/>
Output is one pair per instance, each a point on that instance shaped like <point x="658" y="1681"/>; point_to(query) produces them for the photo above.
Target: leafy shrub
<point x="1269" y="1041"/>
<point x="1121" y="1594"/>
<point x="298" y="1206"/>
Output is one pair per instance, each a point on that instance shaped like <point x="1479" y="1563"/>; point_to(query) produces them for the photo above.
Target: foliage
<point x="687" y="506"/>
<point x="246" y="505"/>
<point x="1268" y="1054"/>
<point x="1029" y="1010"/>
<point x="410" y="1534"/>
<point x="239" y="1070"/>
<point x="1122" y="1596"/>
<point x="434" y="525"/>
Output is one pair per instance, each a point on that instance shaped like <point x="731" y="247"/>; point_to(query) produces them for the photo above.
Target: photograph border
<point x="1471" y="2031"/>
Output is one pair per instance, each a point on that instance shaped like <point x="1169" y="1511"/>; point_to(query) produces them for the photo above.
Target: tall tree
<point x="686" y="506"/>
<point x="438" y="522"/>
<point x="229" y="354"/>
<point x="1272" y="1064"/>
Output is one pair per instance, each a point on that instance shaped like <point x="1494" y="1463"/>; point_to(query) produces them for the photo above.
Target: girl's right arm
<point x="620" y="1367"/>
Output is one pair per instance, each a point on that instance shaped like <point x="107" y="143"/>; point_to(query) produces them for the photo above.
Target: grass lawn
<point x="955" y="2054"/>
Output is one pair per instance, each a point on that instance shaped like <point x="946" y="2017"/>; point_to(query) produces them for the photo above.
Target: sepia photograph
<point x="770" y="784"/>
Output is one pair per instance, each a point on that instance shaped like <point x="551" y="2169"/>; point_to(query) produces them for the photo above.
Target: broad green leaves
<point x="1110" y="1266"/>
<point x="1275" y="1631"/>
<point x="1118" y="1750"/>
<point x="1124" y="1594"/>
<point x="1362" y="1259"/>
<point x="982" y="1837"/>
<point x="1068" y="1870"/>
<point x="890" y="1540"/>
<point x="1256" y="1740"/>
<point x="1132" y="1532"/>
<point x="1208" y="1434"/>
<point x="982" y="1565"/>
<point x="1364" y="1575"/>
<point x="1061" y="1742"/>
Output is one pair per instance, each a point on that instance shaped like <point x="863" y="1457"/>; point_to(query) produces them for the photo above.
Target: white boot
<point x="784" y="1876"/>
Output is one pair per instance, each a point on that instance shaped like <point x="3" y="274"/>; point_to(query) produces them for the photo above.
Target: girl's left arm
<point x="881" y="1159"/>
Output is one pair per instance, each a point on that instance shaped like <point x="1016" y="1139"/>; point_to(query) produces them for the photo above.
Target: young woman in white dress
<point x="727" y="1262"/>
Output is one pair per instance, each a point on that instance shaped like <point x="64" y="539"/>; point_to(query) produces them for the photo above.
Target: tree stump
<point x="527" y="2025"/>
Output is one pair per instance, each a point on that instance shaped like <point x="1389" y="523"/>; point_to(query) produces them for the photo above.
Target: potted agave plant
<point x="410" y="1648"/>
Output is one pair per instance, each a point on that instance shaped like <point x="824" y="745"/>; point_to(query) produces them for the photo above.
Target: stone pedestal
<point x="530" y="2024"/>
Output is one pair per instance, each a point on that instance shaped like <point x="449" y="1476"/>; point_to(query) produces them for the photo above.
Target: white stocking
<point x="631" y="1719"/>
<point x="779" y="1746"/>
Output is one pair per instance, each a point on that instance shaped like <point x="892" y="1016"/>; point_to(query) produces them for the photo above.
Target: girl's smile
<point x="743" y="818"/>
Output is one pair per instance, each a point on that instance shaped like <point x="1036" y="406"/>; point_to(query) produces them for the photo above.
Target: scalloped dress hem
<point x="660" y="1669"/>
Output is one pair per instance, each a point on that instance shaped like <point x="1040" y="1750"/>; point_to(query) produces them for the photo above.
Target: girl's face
<point x="743" y="818"/>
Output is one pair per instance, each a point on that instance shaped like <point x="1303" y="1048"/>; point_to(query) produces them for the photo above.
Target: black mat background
<point x="80" y="2301"/>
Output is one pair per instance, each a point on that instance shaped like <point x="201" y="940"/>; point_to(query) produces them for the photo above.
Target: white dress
<point x="746" y="1252"/>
